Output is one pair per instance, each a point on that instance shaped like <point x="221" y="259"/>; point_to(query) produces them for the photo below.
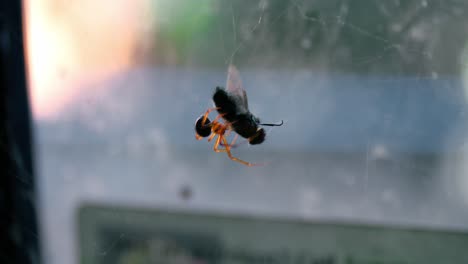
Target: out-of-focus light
<point x="69" y="43"/>
<point x="379" y="151"/>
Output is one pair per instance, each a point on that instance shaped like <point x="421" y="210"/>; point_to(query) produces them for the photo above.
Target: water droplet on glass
<point x="186" y="192"/>
<point x="306" y="43"/>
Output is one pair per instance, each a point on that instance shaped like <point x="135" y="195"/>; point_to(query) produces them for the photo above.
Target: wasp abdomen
<point x="244" y="126"/>
<point x="258" y="138"/>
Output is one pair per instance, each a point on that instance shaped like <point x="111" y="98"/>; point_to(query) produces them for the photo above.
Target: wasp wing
<point x="235" y="89"/>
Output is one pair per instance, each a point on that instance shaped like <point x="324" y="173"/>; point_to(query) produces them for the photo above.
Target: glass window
<point x="373" y="96"/>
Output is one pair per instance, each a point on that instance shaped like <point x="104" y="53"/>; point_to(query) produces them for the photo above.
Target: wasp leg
<point x="204" y="127"/>
<point x="217" y="118"/>
<point x="211" y="137"/>
<point x="228" y="151"/>
<point x="214" y="128"/>
<point x="233" y="142"/>
<point x="216" y="145"/>
<point x="205" y="116"/>
<point x="219" y="143"/>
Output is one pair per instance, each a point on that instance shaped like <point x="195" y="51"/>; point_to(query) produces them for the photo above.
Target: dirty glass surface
<point x="373" y="95"/>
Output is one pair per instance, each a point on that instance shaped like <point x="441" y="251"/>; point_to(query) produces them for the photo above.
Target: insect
<point x="233" y="115"/>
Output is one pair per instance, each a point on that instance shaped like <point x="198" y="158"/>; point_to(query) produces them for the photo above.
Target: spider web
<point x="388" y="38"/>
<point x="376" y="38"/>
<point x="421" y="41"/>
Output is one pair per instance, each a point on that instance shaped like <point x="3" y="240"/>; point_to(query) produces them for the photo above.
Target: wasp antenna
<point x="273" y="124"/>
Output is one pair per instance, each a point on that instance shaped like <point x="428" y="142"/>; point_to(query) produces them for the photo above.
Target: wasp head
<point x="203" y="129"/>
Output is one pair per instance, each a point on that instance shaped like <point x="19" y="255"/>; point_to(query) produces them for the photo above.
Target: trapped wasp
<point x="233" y="115"/>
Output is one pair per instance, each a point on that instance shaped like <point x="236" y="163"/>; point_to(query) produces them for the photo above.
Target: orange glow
<point x="73" y="42"/>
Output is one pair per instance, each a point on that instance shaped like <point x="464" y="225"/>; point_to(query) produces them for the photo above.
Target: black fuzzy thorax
<point x="243" y="124"/>
<point x="226" y="105"/>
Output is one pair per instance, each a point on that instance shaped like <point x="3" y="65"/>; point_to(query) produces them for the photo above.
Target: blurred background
<point x="373" y="95"/>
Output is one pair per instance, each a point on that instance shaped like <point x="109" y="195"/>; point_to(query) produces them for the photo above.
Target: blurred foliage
<point x="366" y="36"/>
<point x="178" y="23"/>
